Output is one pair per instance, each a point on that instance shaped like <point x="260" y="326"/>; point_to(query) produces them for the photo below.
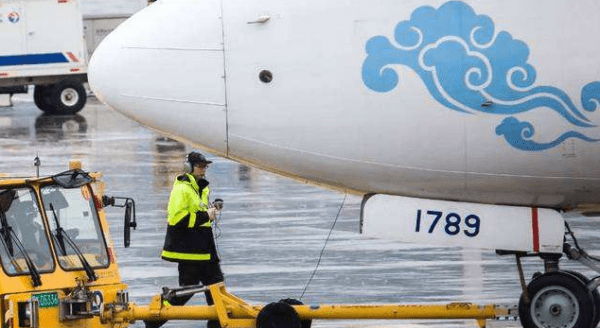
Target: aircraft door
<point x="297" y="103"/>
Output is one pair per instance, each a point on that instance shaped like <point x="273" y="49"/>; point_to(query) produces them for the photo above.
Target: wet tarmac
<point x="272" y="230"/>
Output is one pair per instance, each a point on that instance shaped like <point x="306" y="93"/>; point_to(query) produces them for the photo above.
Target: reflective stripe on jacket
<point x="189" y="235"/>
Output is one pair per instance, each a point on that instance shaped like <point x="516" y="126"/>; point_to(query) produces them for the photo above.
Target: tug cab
<point x="57" y="258"/>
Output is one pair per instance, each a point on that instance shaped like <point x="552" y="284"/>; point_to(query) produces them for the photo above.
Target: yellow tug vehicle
<point x="59" y="269"/>
<point x="58" y="264"/>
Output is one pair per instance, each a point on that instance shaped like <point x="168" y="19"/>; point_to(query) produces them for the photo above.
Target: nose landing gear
<point x="560" y="298"/>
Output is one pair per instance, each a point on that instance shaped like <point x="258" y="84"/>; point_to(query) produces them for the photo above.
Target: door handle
<point x="261" y="20"/>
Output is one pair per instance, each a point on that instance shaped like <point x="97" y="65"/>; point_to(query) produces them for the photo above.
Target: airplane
<point x="467" y="123"/>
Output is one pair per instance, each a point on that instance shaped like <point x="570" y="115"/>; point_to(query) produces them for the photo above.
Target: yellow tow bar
<point x="233" y="312"/>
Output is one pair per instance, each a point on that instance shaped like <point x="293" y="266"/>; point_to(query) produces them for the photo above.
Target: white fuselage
<point x="479" y="101"/>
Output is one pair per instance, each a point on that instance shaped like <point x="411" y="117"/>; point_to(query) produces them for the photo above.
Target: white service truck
<point x="42" y="43"/>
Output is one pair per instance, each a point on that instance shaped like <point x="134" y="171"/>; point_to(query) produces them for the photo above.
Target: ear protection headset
<point x="187" y="166"/>
<point x="197" y="159"/>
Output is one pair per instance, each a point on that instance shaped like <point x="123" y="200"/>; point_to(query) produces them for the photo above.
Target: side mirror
<point x="130" y="222"/>
<point x="129" y="214"/>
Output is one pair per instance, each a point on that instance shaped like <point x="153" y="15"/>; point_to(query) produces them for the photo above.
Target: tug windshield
<point x="72" y="211"/>
<point x="21" y="218"/>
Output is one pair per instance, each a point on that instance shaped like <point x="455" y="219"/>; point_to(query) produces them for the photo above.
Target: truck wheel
<point x="558" y="299"/>
<point x="41" y="97"/>
<point x="68" y="97"/>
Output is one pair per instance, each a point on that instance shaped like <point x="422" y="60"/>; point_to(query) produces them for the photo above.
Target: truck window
<point x="73" y="210"/>
<point x="25" y="220"/>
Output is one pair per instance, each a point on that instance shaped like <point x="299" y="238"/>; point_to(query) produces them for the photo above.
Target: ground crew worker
<point x="189" y="240"/>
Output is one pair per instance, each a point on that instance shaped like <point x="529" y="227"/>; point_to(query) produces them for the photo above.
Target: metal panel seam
<point x="225" y="80"/>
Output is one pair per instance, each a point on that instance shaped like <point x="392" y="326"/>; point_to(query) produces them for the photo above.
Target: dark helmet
<point x="195" y="158"/>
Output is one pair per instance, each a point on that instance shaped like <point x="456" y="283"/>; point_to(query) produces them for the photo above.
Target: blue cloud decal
<point x="518" y="134"/>
<point x="465" y="64"/>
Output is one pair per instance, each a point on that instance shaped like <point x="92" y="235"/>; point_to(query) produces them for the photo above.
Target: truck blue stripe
<point x="33" y="59"/>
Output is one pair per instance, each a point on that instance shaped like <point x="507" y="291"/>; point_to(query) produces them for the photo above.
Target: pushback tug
<point x="59" y="270"/>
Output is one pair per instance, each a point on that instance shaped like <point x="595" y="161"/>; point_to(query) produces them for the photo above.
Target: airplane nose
<point x="164" y="67"/>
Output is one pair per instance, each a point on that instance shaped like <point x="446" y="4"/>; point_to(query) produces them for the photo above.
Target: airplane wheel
<point x="291" y="301"/>
<point x="595" y="295"/>
<point x="68" y="97"/>
<point x="558" y="299"/>
<point x="41" y="97"/>
<point x="278" y="315"/>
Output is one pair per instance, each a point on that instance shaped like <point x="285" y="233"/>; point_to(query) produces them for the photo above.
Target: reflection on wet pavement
<point x="272" y="229"/>
<point x="58" y="127"/>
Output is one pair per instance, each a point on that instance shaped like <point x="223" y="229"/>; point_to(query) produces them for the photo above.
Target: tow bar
<point x="233" y="312"/>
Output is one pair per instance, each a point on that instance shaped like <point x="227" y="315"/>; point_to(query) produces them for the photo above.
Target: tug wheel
<point x="291" y="301"/>
<point x="278" y="315"/>
<point x="557" y="299"/>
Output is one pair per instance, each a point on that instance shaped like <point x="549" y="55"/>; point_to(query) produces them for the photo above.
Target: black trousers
<point x="204" y="272"/>
<point x="207" y="273"/>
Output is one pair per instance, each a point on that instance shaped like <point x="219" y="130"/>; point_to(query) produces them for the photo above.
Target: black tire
<point x="68" y="97"/>
<point x="278" y="315"/>
<point x="213" y="324"/>
<point x="41" y="97"/>
<point x="595" y="295"/>
<point x="291" y="301"/>
<point x="557" y="299"/>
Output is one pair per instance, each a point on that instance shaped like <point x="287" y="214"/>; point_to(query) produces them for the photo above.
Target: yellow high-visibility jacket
<point x="189" y="235"/>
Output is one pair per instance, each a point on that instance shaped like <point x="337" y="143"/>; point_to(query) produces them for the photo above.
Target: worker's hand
<point x="212" y="213"/>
